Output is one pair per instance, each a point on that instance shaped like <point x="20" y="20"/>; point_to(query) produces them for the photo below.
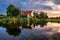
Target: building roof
<point x="26" y="12"/>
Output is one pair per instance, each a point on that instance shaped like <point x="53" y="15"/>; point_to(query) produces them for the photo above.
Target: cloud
<point x="56" y="1"/>
<point x="40" y="4"/>
<point x="30" y="4"/>
<point x="42" y="7"/>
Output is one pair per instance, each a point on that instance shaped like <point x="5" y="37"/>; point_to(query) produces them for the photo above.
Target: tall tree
<point x="13" y="11"/>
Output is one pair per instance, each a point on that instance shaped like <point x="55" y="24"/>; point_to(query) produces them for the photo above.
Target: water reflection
<point x="37" y="31"/>
<point x="12" y="30"/>
<point x="43" y="23"/>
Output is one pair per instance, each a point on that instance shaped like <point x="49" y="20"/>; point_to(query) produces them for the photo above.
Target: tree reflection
<point x="43" y="23"/>
<point x="24" y="25"/>
<point x="12" y="29"/>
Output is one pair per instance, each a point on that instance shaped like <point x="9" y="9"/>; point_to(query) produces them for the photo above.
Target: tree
<point x="43" y="15"/>
<point x="12" y="11"/>
<point x="2" y="16"/>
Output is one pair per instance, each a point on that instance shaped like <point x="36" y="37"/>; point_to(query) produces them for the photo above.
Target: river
<point x="50" y="31"/>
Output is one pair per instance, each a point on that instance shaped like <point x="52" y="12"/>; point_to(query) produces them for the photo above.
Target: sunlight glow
<point x="49" y="24"/>
<point x="58" y="30"/>
<point x="58" y="6"/>
<point x="55" y="12"/>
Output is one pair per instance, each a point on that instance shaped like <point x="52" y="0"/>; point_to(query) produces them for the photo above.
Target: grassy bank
<point x="26" y="21"/>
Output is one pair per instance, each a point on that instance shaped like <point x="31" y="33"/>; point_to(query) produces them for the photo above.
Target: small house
<point x="27" y="13"/>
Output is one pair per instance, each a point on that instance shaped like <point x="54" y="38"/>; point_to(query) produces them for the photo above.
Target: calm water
<point x="50" y="31"/>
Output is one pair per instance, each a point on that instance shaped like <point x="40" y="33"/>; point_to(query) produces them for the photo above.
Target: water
<point x="50" y="31"/>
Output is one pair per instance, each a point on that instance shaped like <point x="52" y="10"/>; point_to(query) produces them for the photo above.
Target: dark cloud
<point x="47" y="8"/>
<point x="56" y="1"/>
<point x="42" y="7"/>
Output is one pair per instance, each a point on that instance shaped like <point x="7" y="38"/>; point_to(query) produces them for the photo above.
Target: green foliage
<point x="42" y="15"/>
<point x="12" y="11"/>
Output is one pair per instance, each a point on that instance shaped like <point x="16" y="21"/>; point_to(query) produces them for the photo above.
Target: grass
<point x="23" y="21"/>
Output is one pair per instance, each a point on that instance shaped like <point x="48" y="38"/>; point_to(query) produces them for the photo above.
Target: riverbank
<point x="26" y="20"/>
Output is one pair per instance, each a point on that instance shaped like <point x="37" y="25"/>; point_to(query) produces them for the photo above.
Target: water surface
<point x="50" y="31"/>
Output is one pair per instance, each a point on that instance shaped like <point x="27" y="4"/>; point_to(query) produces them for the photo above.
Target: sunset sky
<point x="31" y="5"/>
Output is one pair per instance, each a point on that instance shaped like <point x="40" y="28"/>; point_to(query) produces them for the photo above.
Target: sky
<point x="30" y="4"/>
